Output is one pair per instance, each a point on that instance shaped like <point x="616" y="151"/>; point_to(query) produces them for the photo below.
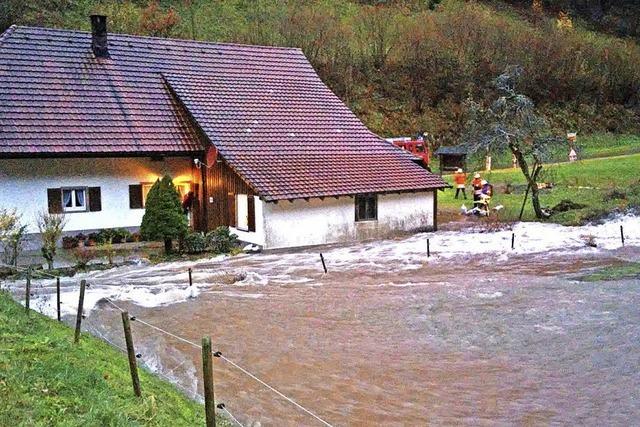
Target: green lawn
<point x="626" y="271"/>
<point x="604" y="176"/>
<point x="45" y="380"/>
<point x="607" y="145"/>
<point x="589" y="147"/>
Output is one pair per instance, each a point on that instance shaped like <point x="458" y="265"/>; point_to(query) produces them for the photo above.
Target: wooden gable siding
<point x="222" y="185"/>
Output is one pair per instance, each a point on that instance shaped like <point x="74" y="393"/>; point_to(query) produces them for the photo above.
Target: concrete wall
<point x="313" y="222"/>
<point x="24" y="183"/>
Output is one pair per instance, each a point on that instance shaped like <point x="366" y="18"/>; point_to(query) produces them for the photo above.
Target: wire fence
<point x="226" y="359"/>
<point x="90" y="327"/>
<point x="41" y="274"/>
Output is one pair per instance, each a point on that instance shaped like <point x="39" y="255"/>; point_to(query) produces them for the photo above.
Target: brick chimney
<point x="99" y="43"/>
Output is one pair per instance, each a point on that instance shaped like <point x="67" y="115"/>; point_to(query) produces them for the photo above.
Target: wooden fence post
<point x="428" y="249"/>
<point x="58" y="296"/>
<point x="190" y="280"/>
<point x="83" y="284"/>
<point x="324" y="266"/>
<point x="27" y="296"/>
<point x="207" y="374"/>
<point x="131" y="353"/>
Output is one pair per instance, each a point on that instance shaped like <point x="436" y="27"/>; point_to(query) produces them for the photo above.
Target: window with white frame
<point x="74" y="199"/>
<point x="242" y="211"/>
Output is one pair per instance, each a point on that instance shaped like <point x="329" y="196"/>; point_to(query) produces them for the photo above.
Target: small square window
<point x="366" y="207"/>
<point x="74" y="199"/>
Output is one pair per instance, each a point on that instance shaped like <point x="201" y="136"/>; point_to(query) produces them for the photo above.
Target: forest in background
<point x="409" y="65"/>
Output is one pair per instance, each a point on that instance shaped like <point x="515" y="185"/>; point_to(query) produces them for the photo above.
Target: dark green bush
<point x="194" y="243"/>
<point x="221" y="240"/>
<point x="105" y="236"/>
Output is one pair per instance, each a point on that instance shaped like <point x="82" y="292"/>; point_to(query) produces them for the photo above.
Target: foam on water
<point x="530" y="237"/>
<point x="167" y="283"/>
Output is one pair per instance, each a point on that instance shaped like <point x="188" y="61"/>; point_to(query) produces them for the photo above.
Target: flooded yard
<point x="476" y="334"/>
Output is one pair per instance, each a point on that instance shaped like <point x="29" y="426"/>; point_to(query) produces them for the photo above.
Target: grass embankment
<point x="589" y="147"/>
<point x="627" y="271"/>
<point x="605" y="145"/>
<point x="46" y="380"/>
<point x="602" y="185"/>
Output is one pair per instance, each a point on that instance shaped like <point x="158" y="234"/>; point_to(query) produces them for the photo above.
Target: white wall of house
<point x="313" y="222"/>
<point x="24" y="183"/>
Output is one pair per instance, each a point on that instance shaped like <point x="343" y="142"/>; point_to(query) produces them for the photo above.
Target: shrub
<point x="82" y="256"/>
<point x="194" y="243"/>
<point x="12" y="235"/>
<point x="163" y="218"/>
<point x="91" y="240"/>
<point x="106" y="250"/>
<point x="221" y="240"/>
<point x="50" y="226"/>
<point x="105" y="235"/>
<point x="120" y="235"/>
<point x="117" y="238"/>
<point x="70" y="242"/>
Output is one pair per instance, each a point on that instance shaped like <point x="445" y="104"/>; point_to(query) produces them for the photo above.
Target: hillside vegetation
<point x="618" y="17"/>
<point x="405" y="66"/>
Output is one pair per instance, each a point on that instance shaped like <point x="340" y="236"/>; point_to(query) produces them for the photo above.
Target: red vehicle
<point x="417" y="147"/>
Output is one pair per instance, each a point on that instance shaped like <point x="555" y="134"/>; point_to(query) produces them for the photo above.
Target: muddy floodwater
<point x="391" y="337"/>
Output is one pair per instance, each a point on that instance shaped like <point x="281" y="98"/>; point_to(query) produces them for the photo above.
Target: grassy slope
<point x="45" y="380"/>
<point x="589" y="147"/>
<point x="626" y="271"/>
<point x="606" y="145"/>
<point x="603" y="174"/>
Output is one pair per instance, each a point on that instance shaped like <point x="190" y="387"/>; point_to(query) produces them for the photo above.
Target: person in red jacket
<point x="460" y="179"/>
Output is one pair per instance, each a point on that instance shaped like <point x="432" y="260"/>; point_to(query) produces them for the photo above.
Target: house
<point x="88" y="121"/>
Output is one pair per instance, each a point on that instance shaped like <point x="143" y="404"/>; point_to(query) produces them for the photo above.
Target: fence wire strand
<point x="234" y="419"/>
<point x="235" y="365"/>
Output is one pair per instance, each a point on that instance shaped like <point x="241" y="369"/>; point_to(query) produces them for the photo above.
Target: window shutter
<point x="251" y="207"/>
<point x="95" y="199"/>
<point x="231" y="206"/>
<point x="135" y="196"/>
<point x="54" y="200"/>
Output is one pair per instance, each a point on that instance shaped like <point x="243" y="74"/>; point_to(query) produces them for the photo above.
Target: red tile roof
<point x="265" y="109"/>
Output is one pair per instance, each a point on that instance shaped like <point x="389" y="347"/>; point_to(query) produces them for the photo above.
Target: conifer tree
<point x="163" y="218"/>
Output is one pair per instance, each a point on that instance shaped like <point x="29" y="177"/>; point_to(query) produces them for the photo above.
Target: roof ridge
<point x="173" y="39"/>
<point x="7" y="33"/>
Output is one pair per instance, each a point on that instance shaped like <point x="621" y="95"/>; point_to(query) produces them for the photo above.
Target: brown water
<point x="458" y="341"/>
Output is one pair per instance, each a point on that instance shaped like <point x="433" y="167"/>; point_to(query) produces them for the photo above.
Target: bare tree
<point x="511" y="122"/>
<point x="377" y="30"/>
<point x="12" y="236"/>
<point x="50" y="226"/>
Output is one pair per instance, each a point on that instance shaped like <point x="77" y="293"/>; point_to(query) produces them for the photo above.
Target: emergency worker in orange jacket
<point x="460" y="179"/>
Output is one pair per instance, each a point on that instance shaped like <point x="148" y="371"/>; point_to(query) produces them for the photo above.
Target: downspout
<point x="205" y="201"/>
